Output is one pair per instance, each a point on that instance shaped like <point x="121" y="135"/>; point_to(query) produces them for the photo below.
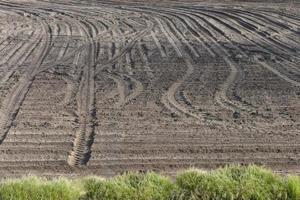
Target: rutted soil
<point x="106" y="87"/>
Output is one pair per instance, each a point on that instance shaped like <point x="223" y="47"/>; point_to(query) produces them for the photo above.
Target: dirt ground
<point x="103" y="87"/>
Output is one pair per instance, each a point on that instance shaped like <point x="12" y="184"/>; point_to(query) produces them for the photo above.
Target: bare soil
<point x="103" y="87"/>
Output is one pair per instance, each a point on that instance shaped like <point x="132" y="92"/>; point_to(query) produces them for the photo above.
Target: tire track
<point x="233" y="72"/>
<point x="116" y="77"/>
<point x="21" y="58"/>
<point x="221" y="96"/>
<point x="242" y="25"/>
<point x="65" y="45"/>
<point x="84" y="136"/>
<point x="180" y="36"/>
<point x="274" y="71"/>
<point x="128" y="87"/>
<point x="14" y="100"/>
<point x="264" y="64"/>
<point x="49" y="65"/>
<point x="262" y="24"/>
<point x="260" y="36"/>
<point x="162" y="52"/>
<point x="280" y="15"/>
<point x="120" y="87"/>
<point x="145" y="60"/>
<point x="169" y="99"/>
<point x="123" y="51"/>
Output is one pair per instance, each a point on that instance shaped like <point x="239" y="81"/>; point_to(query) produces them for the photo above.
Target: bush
<point x="235" y="183"/>
<point x="195" y="184"/>
<point x="135" y="186"/>
<point x="261" y="184"/>
<point x="33" y="188"/>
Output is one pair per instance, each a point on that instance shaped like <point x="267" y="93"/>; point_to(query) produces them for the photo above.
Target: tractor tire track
<point x="14" y="101"/>
<point x="277" y="72"/>
<point x="170" y="94"/>
<point x="221" y="96"/>
<point x="84" y="135"/>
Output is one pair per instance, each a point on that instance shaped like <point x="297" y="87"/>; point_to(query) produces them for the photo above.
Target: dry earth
<point x="102" y="87"/>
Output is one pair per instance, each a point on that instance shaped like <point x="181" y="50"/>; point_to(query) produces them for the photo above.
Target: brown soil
<point x="104" y="87"/>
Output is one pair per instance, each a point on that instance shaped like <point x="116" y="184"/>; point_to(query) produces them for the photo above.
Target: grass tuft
<point x="33" y="188"/>
<point x="149" y="186"/>
<point x="236" y="183"/>
<point x="293" y="187"/>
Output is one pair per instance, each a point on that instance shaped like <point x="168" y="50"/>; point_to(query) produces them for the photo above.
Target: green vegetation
<point x="293" y="187"/>
<point x="33" y="188"/>
<point x="228" y="183"/>
<point x="130" y="186"/>
<point x="233" y="182"/>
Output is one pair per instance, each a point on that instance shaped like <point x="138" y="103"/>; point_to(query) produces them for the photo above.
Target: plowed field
<point x="101" y="87"/>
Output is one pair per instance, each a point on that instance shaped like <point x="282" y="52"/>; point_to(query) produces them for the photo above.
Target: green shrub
<point x="130" y="186"/>
<point x="195" y="185"/>
<point x="233" y="183"/>
<point x="33" y="188"/>
<point x="259" y="183"/>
